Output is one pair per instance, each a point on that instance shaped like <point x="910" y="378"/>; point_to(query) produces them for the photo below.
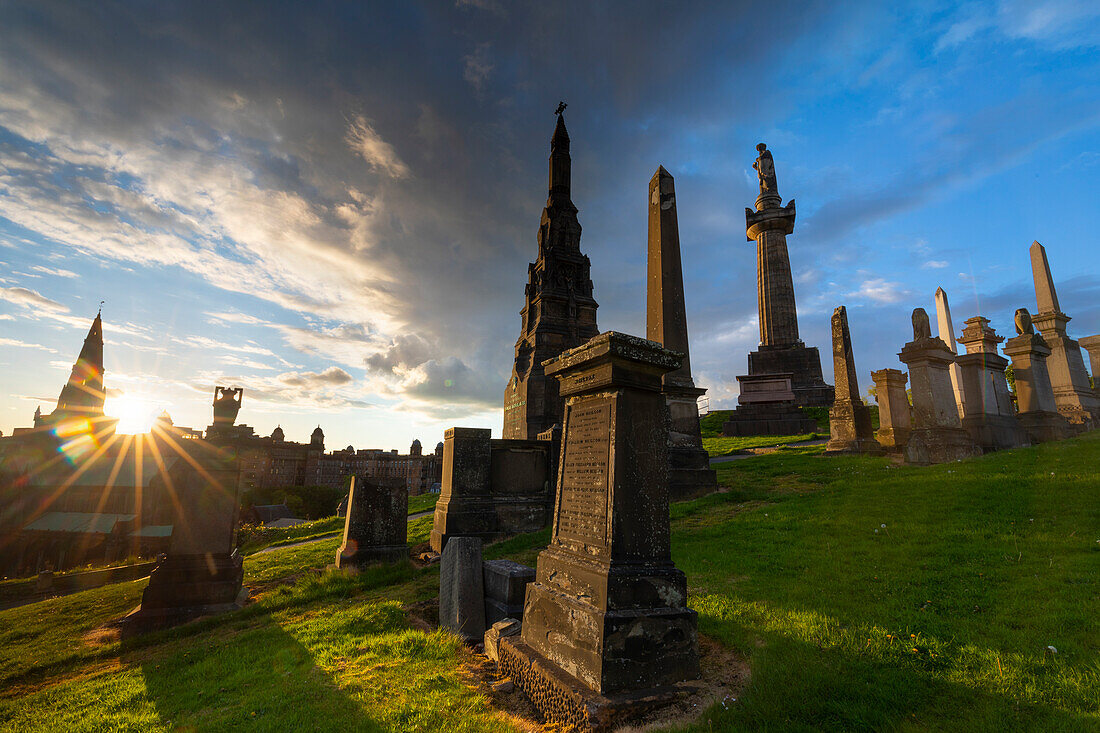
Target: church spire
<point x="83" y="393"/>
<point x="560" y="162"/>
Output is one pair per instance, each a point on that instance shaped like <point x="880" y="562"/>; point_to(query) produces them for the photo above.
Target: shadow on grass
<point x="262" y="678"/>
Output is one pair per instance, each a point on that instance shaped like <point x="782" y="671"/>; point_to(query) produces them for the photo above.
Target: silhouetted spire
<point x="559" y="160"/>
<point x="83" y="393"/>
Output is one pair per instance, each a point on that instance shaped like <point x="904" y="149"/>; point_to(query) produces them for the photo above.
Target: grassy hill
<point x="861" y="596"/>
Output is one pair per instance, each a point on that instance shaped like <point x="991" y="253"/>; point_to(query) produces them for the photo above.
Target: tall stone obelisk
<point x="849" y="419"/>
<point x="666" y="323"/>
<point x="947" y="333"/>
<point x="1072" y="394"/>
<point x="784" y="373"/>
<point x="559" y="312"/>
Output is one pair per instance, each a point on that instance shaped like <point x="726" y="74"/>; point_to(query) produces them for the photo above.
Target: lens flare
<point x="135" y="415"/>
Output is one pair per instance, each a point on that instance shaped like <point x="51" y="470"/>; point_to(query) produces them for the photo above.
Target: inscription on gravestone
<point x="583" y="511"/>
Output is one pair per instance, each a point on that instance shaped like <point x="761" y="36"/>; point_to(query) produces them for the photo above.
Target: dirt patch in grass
<point x="423" y="615"/>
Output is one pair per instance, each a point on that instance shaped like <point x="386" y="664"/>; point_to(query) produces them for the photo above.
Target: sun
<point x="135" y="415"/>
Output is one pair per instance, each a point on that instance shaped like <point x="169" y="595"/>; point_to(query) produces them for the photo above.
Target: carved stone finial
<point x="921" y="327"/>
<point x="1023" y="322"/>
<point x="561" y="108"/>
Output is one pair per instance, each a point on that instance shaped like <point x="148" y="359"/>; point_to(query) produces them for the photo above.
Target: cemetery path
<point x="330" y="535"/>
<point x="754" y="452"/>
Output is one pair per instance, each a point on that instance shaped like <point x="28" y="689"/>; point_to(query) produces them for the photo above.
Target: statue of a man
<point x="765" y="170"/>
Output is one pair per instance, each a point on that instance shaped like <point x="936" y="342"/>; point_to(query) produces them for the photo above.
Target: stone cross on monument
<point x="666" y="323"/>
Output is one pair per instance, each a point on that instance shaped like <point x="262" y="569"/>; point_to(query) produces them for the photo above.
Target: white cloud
<point x="362" y="138"/>
<point x="478" y="66"/>
<point x="25" y="345"/>
<point x="934" y="265"/>
<point x="30" y="299"/>
<point x="880" y="291"/>
<point x="59" y="272"/>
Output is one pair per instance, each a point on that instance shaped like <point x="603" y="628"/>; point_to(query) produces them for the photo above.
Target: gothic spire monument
<point x="783" y="372"/>
<point x="666" y="323"/>
<point x="83" y="394"/>
<point x="559" y="312"/>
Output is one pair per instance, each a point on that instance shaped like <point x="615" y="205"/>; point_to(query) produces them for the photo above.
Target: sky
<point x="333" y="205"/>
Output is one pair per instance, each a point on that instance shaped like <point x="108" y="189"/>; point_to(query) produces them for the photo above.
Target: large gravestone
<point x="1036" y="408"/>
<point x="606" y="628"/>
<point x="1069" y="381"/>
<point x="690" y="473"/>
<point x="937" y="435"/>
<point x="202" y="572"/>
<point x="849" y="419"/>
<point x="894" y="419"/>
<point x="987" y="410"/>
<point x="376" y="526"/>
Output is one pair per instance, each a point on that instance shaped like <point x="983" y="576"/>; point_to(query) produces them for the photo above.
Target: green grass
<point x="937" y="621"/>
<point x="723" y="446"/>
<point x="422" y="502"/>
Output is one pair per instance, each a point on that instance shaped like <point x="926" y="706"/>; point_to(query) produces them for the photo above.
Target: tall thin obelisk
<point x="946" y="331"/>
<point x="666" y="323"/>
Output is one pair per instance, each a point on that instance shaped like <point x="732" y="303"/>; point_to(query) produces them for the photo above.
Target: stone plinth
<point x="606" y="616"/>
<point x="767" y="407"/>
<point x="894" y="421"/>
<point x="1069" y="381"/>
<point x="376" y="525"/>
<point x="988" y="413"/>
<point x="1036" y="410"/>
<point x="492" y="488"/>
<point x="202" y="573"/>
<point x="937" y="435"/>
<point x="849" y="419"/>
<point x="690" y="474"/>
<point x="505" y="589"/>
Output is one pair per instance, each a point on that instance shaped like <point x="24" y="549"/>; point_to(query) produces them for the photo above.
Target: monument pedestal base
<point x="562" y="702"/>
<point x="939" y="445"/>
<point x="768" y="419"/>
<point x="1043" y="427"/>
<point x="689" y="473"/>
<point x="186" y="587"/>
<point x="995" y="432"/>
<point x="893" y="440"/>
<point x="850" y="425"/>
<point x="347" y="557"/>
<point x="803" y="363"/>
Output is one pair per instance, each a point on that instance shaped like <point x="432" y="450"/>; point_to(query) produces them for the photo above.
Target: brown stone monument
<point x="937" y="435"/>
<point x="781" y="354"/>
<point x="202" y="572"/>
<point x="1036" y="409"/>
<point x="988" y="413"/>
<point x="666" y="323"/>
<point x="606" y="628"/>
<point x="849" y="418"/>
<point x="946" y="331"/>
<point x="558" y="312"/>
<point x="1091" y="344"/>
<point x="894" y="421"/>
<point x="1072" y="394"/>
<point x="376" y="525"/>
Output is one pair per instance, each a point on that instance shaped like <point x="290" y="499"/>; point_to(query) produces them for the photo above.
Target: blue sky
<point x="334" y="206"/>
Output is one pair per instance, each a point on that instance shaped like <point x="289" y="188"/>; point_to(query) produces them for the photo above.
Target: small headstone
<point x="461" y="589"/>
<point x="505" y="587"/>
<point x="376" y="526"/>
<point x="894" y="420"/>
<point x="465" y="506"/>
<point x="501" y="629"/>
<point x="849" y="419"/>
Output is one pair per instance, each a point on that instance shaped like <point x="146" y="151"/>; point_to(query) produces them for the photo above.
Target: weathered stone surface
<point x="1091" y="344"/>
<point x="493" y="488"/>
<point x="461" y="589"/>
<point x="376" y="525"/>
<point x="505" y="588"/>
<point x="849" y="419"/>
<point x="690" y="474"/>
<point x="894" y="419"/>
<point x="558" y="313"/>
<point x="1069" y="381"/>
<point x="202" y="573"/>
<point x="501" y="629"/>
<point x="988" y="413"/>
<point x="1037" y="411"/>
<point x="607" y="608"/>
<point x="946" y="330"/>
<point x="937" y="435"/>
